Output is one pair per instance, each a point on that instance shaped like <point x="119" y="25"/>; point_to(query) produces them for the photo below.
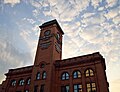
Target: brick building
<point x="52" y="74"/>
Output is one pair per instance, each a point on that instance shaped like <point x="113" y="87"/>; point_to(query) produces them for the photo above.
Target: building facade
<point x="52" y="74"/>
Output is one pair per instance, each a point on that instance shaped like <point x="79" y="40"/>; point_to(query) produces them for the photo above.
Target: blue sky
<point x="89" y="25"/>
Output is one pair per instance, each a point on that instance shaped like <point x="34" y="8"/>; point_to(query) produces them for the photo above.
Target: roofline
<point x="21" y="68"/>
<point x="50" y="23"/>
<point x="81" y="56"/>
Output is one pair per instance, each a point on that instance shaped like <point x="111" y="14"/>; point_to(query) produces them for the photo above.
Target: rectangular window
<point x="77" y="88"/>
<point x="35" y="88"/>
<point x="65" y="88"/>
<point x="42" y="88"/>
<point x="91" y="87"/>
<point x="26" y="91"/>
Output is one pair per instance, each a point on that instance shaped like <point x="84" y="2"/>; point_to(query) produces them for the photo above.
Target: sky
<point x="89" y="26"/>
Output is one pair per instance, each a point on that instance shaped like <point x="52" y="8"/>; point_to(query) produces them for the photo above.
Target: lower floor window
<point x="26" y="91"/>
<point x="42" y="88"/>
<point x="35" y="88"/>
<point x="91" y="87"/>
<point x="77" y="88"/>
<point x="65" y="88"/>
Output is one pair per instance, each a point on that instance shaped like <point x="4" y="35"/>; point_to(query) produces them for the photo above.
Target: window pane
<point x="21" y="82"/>
<point x="79" y="74"/>
<point x="75" y="86"/>
<point x="75" y="91"/>
<point x="67" y="88"/>
<point x="13" y="83"/>
<point x="38" y="76"/>
<point x="75" y="75"/>
<point x="88" y="90"/>
<point x="93" y="84"/>
<point x="28" y="81"/>
<point x="91" y="87"/>
<point x="87" y="73"/>
<point x="44" y="75"/>
<point x="63" y="76"/>
<point x="91" y="72"/>
<point x="67" y="76"/>
<point x="88" y="85"/>
<point x="26" y="91"/>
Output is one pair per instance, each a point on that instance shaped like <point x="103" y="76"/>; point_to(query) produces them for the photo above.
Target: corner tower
<point x="49" y="50"/>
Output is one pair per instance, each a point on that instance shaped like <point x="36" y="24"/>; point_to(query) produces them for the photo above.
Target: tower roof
<point x="51" y="23"/>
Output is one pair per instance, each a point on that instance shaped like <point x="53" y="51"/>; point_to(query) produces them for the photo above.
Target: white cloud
<point x="12" y="2"/>
<point x="96" y="19"/>
<point x="112" y="13"/>
<point x="95" y="3"/>
<point x="87" y="15"/>
<point x="116" y="20"/>
<point x="36" y="4"/>
<point x="29" y="20"/>
<point x="11" y="57"/>
<point x="100" y="8"/>
<point x="90" y="32"/>
<point x="111" y="3"/>
<point x="66" y="11"/>
<point x="115" y="85"/>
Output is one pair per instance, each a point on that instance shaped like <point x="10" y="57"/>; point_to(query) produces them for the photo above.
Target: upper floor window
<point x="65" y="76"/>
<point x="38" y="76"/>
<point x="91" y="87"/>
<point x="89" y="72"/>
<point x="77" y="88"/>
<point x="44" y="75"/>
<point x="28" y="81"/>
<point x="13" y="82"/>
<point x="21" y="82"/>
<point x="65" y="88"/>
<point x="76" y="74"/>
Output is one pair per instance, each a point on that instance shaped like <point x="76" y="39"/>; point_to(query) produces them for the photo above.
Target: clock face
<point x="47" y="32"/>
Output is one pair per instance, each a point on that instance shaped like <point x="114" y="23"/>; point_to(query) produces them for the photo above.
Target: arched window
<point x="13" y="82"/>
<point x="21" y="82"/>
<point x="76" y="74"/>
<point x="38" y="76"/>
<point x="65" y="76"/>
<point x="89" y="72"/>
<point x="28" y="81"/>
<point x="44" y="75"/>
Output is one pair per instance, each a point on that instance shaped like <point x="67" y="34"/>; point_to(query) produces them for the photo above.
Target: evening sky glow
<point x="89" y="26"/>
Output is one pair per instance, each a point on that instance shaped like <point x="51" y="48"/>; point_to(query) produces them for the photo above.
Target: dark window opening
<point x="65" y="88"/>
<point x="42" y="88"/>
<point x="35" y="88"/>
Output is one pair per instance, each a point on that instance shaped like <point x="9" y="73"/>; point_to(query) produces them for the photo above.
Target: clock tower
<point x="49" y="50"/>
